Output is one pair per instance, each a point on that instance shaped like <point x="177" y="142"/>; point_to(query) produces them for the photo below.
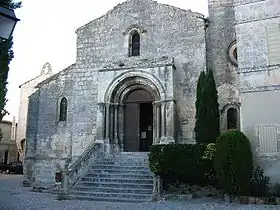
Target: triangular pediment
<point x="136" y="6"/>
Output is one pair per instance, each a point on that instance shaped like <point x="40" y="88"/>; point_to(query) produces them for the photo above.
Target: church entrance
<point x="138" y="121"/>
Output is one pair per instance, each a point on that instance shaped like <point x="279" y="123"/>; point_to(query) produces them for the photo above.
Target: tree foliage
<point x="6" y="55"/>
<point x="233" y="162"/>
<point x="10" y="3"/>
<point x="207" y="127"/>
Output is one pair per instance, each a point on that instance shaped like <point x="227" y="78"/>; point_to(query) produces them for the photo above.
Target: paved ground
<point x="14" y="197"/>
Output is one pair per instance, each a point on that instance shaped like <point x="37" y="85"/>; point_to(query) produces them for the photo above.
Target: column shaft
<point x="116" y="127"/>
<point x="163" y="119"/>
<point x="121" y="127"/>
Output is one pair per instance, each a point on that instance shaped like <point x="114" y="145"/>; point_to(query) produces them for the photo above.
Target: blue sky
<point x="46" y="33"/>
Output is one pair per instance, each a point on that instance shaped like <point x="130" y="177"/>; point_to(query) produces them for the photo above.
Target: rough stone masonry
<point x="144" y="52"/>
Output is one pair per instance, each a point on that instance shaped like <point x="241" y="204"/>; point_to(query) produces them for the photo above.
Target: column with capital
<point x="107" y="129"/>
<point x="116" y="127"/>
<point x="100" y="123"/>
<point x="163" y="119"/>
<point x="121" y="126"/>
<point x="156" y="122"/>
<point x="169" y="119"/>
<point x="167" y="122"/>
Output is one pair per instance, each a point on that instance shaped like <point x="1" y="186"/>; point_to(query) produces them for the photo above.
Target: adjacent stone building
<point x="134" y="81"/>
<point x="27" y="89"/>
<point x="8" y="147"/>
<point x="258" y="43"/>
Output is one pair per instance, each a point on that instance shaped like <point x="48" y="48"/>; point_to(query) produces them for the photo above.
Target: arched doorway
<point x="138" y="121"/>
<point x="232" y="118"/>
<point x="117" y="115"/>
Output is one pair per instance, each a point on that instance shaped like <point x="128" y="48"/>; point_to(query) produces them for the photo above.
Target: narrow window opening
<point x="231" y="118"/>
<point x="58" y="177"/>
<point x="22" y="145"/>
<point x="135" y="44"/>
<point x="63" y="109"/>
<point x="6" y="157"/>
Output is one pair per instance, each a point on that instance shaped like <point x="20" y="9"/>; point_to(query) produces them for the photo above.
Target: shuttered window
<point x="273" y="43"/>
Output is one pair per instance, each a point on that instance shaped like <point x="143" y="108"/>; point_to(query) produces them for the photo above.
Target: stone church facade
<point x="134" y="82"/>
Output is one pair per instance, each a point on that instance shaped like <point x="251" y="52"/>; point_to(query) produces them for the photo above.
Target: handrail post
<point x="64" y="193"/>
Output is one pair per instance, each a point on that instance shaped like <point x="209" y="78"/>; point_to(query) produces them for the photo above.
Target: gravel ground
<point x="14" y="197"/>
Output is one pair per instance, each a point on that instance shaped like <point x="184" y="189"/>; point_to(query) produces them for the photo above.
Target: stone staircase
<point x="123" y="177"/>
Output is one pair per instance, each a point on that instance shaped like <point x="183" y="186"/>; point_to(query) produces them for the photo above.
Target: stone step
<point x="130" y="167"/>
<point x="124" y="164"/>
<point x="119" y="175"/>
<point x="106" y="199"/>
<point x="116" y="185"/>
<point x="123" y="177"/>
<point x="113" y="190"/>
<point x="113" y="195"/>
<point x="117" y="180"/>
<point x="119" y="171"/>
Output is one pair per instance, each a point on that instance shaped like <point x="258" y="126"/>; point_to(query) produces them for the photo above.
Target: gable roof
<point x="29" y="80"/>
<point x="196" y="14"/>
<point x="55" y="76"/>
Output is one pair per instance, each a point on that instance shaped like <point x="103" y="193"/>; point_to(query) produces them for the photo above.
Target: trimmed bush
<point x="233" y="163"/>
<point x="259" y="183"/>
<point x="181" y="163"/>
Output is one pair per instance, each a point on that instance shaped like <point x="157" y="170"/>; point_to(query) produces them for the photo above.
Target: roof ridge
<point x="70" y="67"/>
<point x="199" y="15"/>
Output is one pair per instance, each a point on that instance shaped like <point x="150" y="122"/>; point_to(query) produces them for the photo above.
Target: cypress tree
<point x="213" y="113"/>
<point x="199" y="107"/>
<point x="207" y="127"/>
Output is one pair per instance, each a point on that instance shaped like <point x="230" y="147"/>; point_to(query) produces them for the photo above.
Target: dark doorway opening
<point x="6" y="157"/>
<point x="146" y="126"/>
<point x="138" y="121"/>
<point x="231" y="118"/>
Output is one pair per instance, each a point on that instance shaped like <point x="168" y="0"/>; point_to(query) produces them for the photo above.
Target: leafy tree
<point x="207" y="127"/>
<point x="6" y="55"/>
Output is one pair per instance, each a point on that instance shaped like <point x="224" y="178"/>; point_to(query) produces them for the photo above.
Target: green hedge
<point x="182" y="163"/>
<point x="233" y="162"/>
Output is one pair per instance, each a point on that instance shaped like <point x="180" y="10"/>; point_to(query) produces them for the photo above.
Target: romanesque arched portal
<point x="134" y="113"/>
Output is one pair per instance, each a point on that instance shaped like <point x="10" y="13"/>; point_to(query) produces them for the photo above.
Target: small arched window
<point x="135" y="44"/>
<point x="63" y="109"/>
<point x="232" y="118"/>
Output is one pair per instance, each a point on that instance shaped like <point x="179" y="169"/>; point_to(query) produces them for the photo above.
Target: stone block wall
<point x="48" y="140"/>
<point x="27" y="89"/>
<point x="173" y="50"/>
<point x="259" y="81"/>
<point x="164" y="31"/>
<point x="220" y="35"/>
<point x="31" y="138"/>
<point x="7" y="142"/>
<point x="84" y="109"/>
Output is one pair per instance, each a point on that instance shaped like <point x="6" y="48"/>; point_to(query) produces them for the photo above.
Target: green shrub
<point x="233" y="162"/>
<point x="209" y="152"/>
<point x="276" y="190"/>
<point x="259" y="183"/>
<point x="208" y="157"/>
<point x="181" y="163"/>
